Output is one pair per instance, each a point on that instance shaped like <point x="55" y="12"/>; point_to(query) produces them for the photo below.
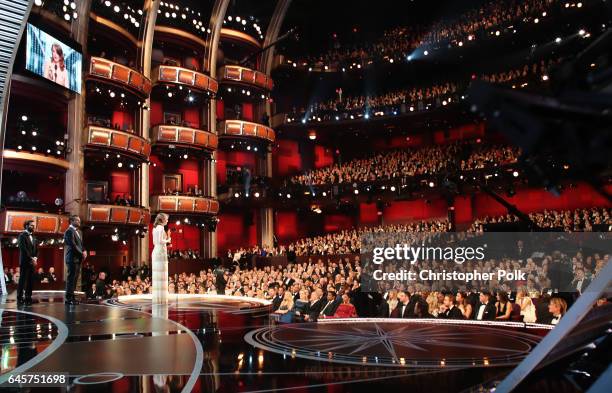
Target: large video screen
<point x="53" y="60"/>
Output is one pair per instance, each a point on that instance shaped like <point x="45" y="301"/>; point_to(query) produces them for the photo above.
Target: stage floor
<point x="224" y="344"/>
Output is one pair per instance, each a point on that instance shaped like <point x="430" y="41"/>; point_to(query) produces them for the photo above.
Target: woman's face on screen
<point x="56" y="56"/>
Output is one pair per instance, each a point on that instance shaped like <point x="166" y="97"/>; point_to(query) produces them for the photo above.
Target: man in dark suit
<point x="315" y="306"/>
<point x="27" y="263"/>
<point x="486" y="310"/>
<point x="403" y="306"/>
<point x="580" y="282"/>
<point x="450" y="311"/>
<point x="73" y="256"/>
<point x="329" y="309"/>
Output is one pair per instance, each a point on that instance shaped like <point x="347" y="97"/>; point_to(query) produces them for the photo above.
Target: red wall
<point x="234" y="158"/>
<point x="368" y="214"/>
<point x="47" y="257"/>
<point x="402" y="211"/>
<point x="232" y="232"/>
<point x="247" y="111"/>
<point x="323" y="156"/>
<point x="125" y="120"/>
<point x="531" y="200"/>
<point x="188" y="168"/>
<point x="459" y="133"/>
<point x="287" y="159"/>
<point x="157" y="113"/>
<point x="220" y="110"/>
<point x="337" y="222"/>
<point x="399" y="142"/>
<point x="120" y="184"/>
<point x="183" y="236"/>
<point x="192" y="117"/>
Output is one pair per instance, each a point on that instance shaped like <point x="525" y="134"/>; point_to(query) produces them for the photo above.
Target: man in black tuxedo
<point x="315" y="306"/>
<point x="580" y="282"/>
<point x="450" y="311"/>
<point x="27" y="263"/>
<point x="73" y="256"/>
<point x="403" y="306"/>
<point x="329" y="309"/>
<point x="486" y="310"/>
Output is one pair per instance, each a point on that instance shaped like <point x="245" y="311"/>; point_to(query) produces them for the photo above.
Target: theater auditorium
<point x="305" y="196"/>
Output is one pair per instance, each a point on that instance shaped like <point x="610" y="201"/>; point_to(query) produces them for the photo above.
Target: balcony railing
<point x="240" y="128"/>
<point x="108" y="138"/>
<point x="237" y="74"/>
<point x="121" y="75"/>
<point x="184" y="136"/>
<point x="184" y="204"/>
<point x="186" y="77"/>
<point x="116" y="215"/>
<point x="22" y="157"/>
<point x="11" y="221"/>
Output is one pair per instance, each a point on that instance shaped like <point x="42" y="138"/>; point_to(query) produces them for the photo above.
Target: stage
<point x="222" y="343"/>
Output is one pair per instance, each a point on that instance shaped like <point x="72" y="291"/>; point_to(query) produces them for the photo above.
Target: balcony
<point x="240" y="37"/>
<point x="185" y="77"/>
<point x="185" y="137"/>
<point x="117" y="74"/>
<point x="11" y="221"/>
<point x="22" y="158"/>
<point x="184" y="204"/>
<point x="245" y="76"/>
<point x="121" y="141"/>
<point x="245" y="129"/>
<point x="116" y="215"/>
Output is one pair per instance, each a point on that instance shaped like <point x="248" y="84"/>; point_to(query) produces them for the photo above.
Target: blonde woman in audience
<point x="286" y="304"/>
<point x="528" y="309"/>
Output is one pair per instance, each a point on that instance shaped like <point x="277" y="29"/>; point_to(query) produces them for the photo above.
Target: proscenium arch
<point x="13" y="18"/>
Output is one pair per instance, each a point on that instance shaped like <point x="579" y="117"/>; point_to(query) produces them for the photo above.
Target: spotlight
<point x="178" y="222"/>
<point x="515" y="173"/>
<point x="426" y="53"/>
<point x="170" y="94"/>
<point x="120" y="164"/>
<point x="558" y="40"/>
<point x="581" y="32"/>
<point x="92" y="227"/>
<point x="185" y="156"/>
<point x="288" y="196"/>
<point x="236" y="195"/>
<point x="14" y="240"/>
<point x="432" y="184"/>
<point x="115" y="237"/>
<point x="256" y="195"/>
<point x="24" y="118"/>
<point x="324" y="194"/>
<point x="356" y="192"/>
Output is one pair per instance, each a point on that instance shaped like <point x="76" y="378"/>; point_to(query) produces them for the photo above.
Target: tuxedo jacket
<point x="453" y="313"/>
<point x="314" y="309"/>
<point x="73" y="246"/>
<point x="397" y="312"/>
<point x="276" y="302"/>
<point x="27" y="248"/>
<point x="490" y="312"/>
<point x="330" y="310"/>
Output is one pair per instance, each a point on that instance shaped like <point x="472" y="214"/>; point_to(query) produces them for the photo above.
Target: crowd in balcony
<point x="579" y="220"/>
<point x="193" y="191"/>
<point x="106" y="122"/>
<point x="411" y="162"/>
<point x="396" y="44"/>
<point x="417" y="99"/>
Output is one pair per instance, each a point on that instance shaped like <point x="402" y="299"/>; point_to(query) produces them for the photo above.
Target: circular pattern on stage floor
<point x="94" y="379"/>
<point x="398" y="343"/>
<point x="208" y="302"/>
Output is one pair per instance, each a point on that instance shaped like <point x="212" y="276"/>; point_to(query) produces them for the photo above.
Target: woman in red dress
<point x="346" y="309"/>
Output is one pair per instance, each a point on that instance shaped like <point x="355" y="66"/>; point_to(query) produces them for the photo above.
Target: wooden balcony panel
<point x="184" y="204"/>
<point x="246" y="76"/>
<point x="117" y="215"/>
<point x="119" y="74"/>
<point x="12" y="221"/>
<point x="186" y="77"/>
<point x="101" y="137"/>
<point x="185" y="136"/>
<point x="230" y="128"/>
